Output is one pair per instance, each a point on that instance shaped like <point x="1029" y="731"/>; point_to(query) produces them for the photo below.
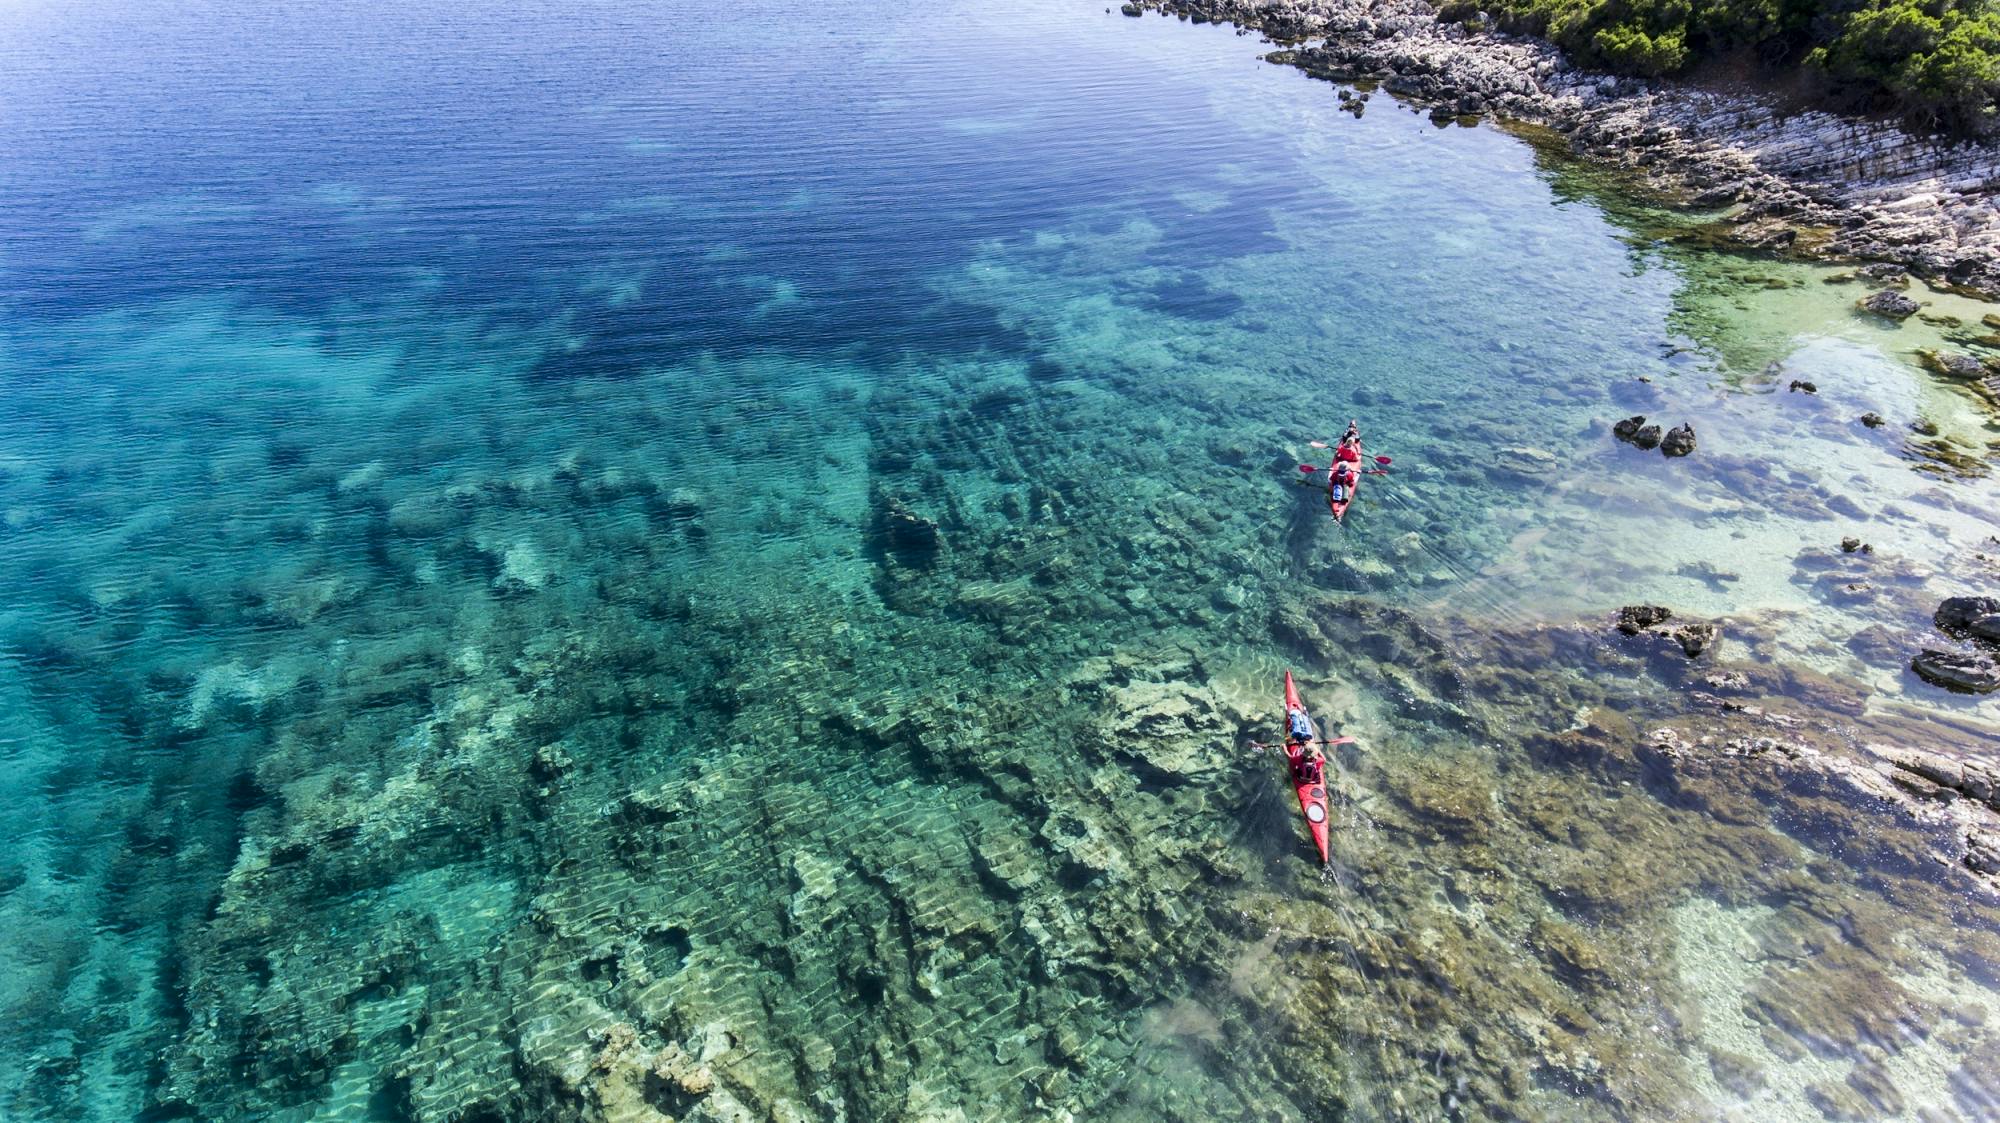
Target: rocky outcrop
<point x="1678" y="441"/>
<point x="1974" y="780"/>
<point x="1963" y="672"/>
<point x="1973" y="618"/>
<point x="1810" y="183"/>
<point x="1636" y="618"/>
<point x="1951" y="364"/>
<point x="1889" y="304"/>
<point x="1641" y="619"/>
<point x="1635" y="431"/>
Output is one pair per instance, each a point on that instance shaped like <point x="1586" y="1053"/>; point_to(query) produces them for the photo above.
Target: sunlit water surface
<point x="474" y="648"/>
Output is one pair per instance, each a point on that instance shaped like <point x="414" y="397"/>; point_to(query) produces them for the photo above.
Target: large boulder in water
<point x="1641" y="619"/>
<point x="1679" y="440"/>
<point x="1962" y="672"/>
<point x="1693" y="638"/>
<point x="1952" y="364"/>
<point x="1636" y="618"/>
<point x="1891" y="304"/>
<point x="1974" y="618"/>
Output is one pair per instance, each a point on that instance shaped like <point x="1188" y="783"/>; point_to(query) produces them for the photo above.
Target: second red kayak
<point x="1308" y="773"/>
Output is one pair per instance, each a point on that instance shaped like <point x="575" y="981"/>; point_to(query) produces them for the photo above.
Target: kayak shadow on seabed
<point x="1318" y="548"/>
<point x="1348" y="920"/>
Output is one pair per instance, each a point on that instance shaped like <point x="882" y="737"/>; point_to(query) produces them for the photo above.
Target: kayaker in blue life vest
<point x="1308" y="763"/>
<point x="1299" y="728"/>
<point x="1340" y="481"/>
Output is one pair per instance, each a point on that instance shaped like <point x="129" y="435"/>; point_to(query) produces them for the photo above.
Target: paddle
<point x="1335" y="741"/>
<point x="1382" y="471"/>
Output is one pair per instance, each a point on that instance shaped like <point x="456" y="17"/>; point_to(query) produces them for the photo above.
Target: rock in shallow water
<point x="1890" y="303"/>
<point x="1641" y="619"/>
<point x="1636" y="618"/>
<point x="1964" y="672"/>
<point x="1694" y="638"/>
<point x="1975" y="618"/>
<point x="1952" y="364"/>
<point x="1679" y="441"/>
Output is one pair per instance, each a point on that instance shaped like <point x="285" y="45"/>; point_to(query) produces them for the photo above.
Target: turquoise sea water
<point x="474" y="650"/>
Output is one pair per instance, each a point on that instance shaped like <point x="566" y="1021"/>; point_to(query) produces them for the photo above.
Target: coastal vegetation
<point x="1934" y="62"/>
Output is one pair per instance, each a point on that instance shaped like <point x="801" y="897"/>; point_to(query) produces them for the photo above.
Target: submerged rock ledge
<point x="1813" y="183"/>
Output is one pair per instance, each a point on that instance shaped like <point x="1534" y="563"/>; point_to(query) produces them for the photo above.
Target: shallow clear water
<point x="465" y="659"/>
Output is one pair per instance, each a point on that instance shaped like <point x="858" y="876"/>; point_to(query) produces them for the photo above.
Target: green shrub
<point x="1936" y="62"/>
<point x="1629" y="49"/>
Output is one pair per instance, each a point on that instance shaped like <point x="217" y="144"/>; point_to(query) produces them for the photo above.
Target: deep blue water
<point x="455" y="617"/>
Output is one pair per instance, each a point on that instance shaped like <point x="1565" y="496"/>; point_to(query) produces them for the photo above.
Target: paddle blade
<point x="1318" y="444"/>
<point x="1308" y="468"/>
<point x="1384" y="461"/>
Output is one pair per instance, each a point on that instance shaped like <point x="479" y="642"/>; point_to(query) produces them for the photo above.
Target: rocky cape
<point x="1809" y="183"/>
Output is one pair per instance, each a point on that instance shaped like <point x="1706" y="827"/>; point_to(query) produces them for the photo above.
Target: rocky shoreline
<point x="1812" y="184"/>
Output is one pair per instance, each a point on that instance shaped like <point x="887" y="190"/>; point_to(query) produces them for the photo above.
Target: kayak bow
<point x="1311" y="789"/>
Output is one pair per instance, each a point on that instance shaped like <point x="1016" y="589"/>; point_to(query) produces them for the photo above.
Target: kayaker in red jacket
<point x="1350" y="445"/>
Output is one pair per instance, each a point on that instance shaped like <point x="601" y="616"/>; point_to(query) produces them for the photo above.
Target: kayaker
<point x="1340" y="479"/>
<point x="1308" y="764"/>
<point x="1349" y="451"/>
<point x="1340" y="475"/>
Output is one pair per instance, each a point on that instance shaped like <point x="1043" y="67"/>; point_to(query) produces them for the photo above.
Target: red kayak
<point x="1339" y="506"/>
<point x="1309" y="782"/>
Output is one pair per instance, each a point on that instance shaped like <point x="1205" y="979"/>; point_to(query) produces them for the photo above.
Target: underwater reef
<point x="608" y="838"/>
